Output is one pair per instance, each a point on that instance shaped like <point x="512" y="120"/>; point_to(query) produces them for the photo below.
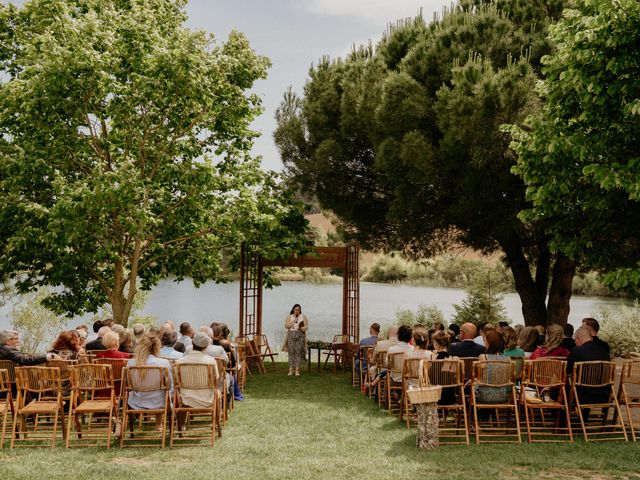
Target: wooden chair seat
<point x="93" y="406"/>
<point x="39" y="406"/>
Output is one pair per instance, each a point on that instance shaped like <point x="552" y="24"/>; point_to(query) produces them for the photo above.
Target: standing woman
<point x="295" y="341"/>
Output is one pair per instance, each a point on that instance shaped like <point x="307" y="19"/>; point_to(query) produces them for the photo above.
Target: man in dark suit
<point x="9" y="341"/>
<point x="594" y="327"/>
<point x="466" y="347"/>
<point x="97" y="343"/>
<point x="587" y="350"/>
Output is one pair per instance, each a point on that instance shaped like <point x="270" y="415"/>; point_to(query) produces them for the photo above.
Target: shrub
<point x="36" y="324"/>
<point x="387" y="269"/>
<point x="425" y="315"/>
<point x="619" y="327"/>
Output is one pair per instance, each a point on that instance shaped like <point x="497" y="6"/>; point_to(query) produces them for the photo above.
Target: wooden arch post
<point x="345" y="258"/>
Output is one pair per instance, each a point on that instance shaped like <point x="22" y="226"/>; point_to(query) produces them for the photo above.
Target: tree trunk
<point x="534" y="309"/>
<point x="558" y="306"/>
<point x="427" y="432"/>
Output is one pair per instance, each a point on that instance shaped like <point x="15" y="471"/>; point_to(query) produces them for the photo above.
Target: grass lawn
<point x="318" y="426"/>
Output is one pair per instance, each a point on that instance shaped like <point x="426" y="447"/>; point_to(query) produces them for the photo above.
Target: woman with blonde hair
<point x="148" y="355"/>
<point x="552" y="344"/>
<point x="528" y="340"/>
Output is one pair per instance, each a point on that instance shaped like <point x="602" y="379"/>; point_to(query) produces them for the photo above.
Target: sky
<point x="294" y="34"/>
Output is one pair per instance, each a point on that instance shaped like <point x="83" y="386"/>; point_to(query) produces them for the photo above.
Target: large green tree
<point x="123" y="152"/>
<point x="580" y="157"/>
<point x="403" y="142"/>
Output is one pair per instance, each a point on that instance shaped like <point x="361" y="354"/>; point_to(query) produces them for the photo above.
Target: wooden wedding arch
<point x="251" y="276"/>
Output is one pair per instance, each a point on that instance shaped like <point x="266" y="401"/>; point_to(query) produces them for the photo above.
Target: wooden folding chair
<point x="496" y="376"/>
<point x="449" y="374"/>
<point x="468" y="367"/>
<point x="10" y="367"/>
<point x="6" y="405"/>
<point x="241" y="367"/>
<point x="592" y="387"/>
<point x="252" y="354"/>
<point x="361" y="366"/>
<point x="544" y="389"/>
<point x="410" y="376"/>
<point x="88" y="385"/>
<point x="145" y="380"/>
<point x="63" y="366"/>
<point x="44" y="385"/>
<point x="186" y="420"/>
<point x="222" y="379"/>
<point x="264" y="350"/>
<point x="379" y="363"/>
<point x="394" y="365"/>
<point x="629" y="393"/>
<point x="117" y="366"/>
<point x="337" y="351"/>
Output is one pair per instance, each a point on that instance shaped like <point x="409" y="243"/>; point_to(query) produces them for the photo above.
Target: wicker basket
<point x="425" y="395"/>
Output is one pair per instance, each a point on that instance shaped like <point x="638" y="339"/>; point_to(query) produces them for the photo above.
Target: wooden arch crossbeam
<point x="251" y="276"/>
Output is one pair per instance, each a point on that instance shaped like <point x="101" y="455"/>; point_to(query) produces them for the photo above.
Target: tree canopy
<point x="403" y="141"/>
<point x="123" y="152"/>
<point x="580" y="156"/>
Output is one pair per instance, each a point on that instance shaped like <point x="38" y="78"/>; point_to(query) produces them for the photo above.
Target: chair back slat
<point x="630" y="372"/>
<point x="91" y="377"/>
<point x="194" y="376"/>
<point x="38" y="379"/>
<point x="117" y="365"/>
<point x="594" y="374"/>
<point x="468" y="366"/>
<point x="494" y="373"/>
<point x="146" y="378"/>
<point x="10" y="366"/>
<point x="5" y="385"/>
<point x="411" y="369"/>
<point x="448" y="372"/>
<point x="546" y="373"/>
<point x="395" y="362"/>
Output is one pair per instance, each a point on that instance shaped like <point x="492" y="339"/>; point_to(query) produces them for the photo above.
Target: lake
<point x="322" y="303"/>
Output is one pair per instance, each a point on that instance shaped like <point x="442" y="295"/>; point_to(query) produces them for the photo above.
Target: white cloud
<point x="378" y="12"/>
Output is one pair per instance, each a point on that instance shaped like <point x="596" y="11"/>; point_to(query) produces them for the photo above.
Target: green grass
<point x="318" y="426"/>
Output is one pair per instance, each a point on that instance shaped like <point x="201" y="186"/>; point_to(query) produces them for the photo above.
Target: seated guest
<point x="225" y="341"/>
<point x="484" y="328"/>
<point x="441" y="341"/>
<point x="511" y="348"/>
<point x="186" y="334"/>
<point x="198" y="398"/>
<point x="494" y="349"/>
<point x="83" y="331"/>
<point x="587" y="351"/>
<point x="372" y="339"/>
<point x="466" y="347"/>
<point x="215" y="351"/>
<point x="454" y="332"/>
<point x="9" y="342"/>
<point x="392" y="339"/>
<point x="138" y="331"/>
<point x="594" y="327"/>
<point x="404" y="336"/>
<point x="540" y="329"/>
<point x="552" y="346"/>
<point x="126" y="341"/>
<point x="528" y="340"/>
<point x="179" y="347"/>
<point x="68" y="346"/>
<point x="167" y="327"/>
<point x="420" y="337"/>
<point x="111" y="343"/>
<point x="97" y="343"/>
<point x="168" y="341"/>
<point x="148" y="354"/>
<point x="568" y="342"/>
<point x="97" y="325"/>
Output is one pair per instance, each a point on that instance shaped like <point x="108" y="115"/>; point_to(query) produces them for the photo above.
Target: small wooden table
<point x="320" y="347"/>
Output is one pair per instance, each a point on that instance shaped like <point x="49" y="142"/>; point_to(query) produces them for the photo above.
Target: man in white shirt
<point x="383" y="345"/>
<point x="199" y="398"/>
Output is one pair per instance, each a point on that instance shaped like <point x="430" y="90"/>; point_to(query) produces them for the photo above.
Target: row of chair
<point x="535" y="389"/>
<point x="95" y="395"/>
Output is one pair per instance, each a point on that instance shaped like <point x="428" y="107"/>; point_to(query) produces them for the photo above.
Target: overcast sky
<point x="294" y="34"/>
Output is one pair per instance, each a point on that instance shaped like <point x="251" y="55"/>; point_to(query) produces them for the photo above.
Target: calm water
<point x="322" y="303"/>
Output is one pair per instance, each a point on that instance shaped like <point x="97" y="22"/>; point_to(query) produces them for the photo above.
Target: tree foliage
<point x="123" y="156"/>
<point x="403" y="141"/>
<point x="580" y="158"/>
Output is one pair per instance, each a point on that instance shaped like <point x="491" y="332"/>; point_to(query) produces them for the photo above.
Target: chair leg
<point x="580" y="417"/>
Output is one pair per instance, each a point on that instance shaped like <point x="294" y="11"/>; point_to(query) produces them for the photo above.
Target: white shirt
<point x="479" y="340"/>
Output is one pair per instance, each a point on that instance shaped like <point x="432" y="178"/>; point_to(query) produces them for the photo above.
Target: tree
<point x="123" y="157"/>
<point x="483" y="303"/>
<point x="403" y="142"/>
<point x="580" y="155"/>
